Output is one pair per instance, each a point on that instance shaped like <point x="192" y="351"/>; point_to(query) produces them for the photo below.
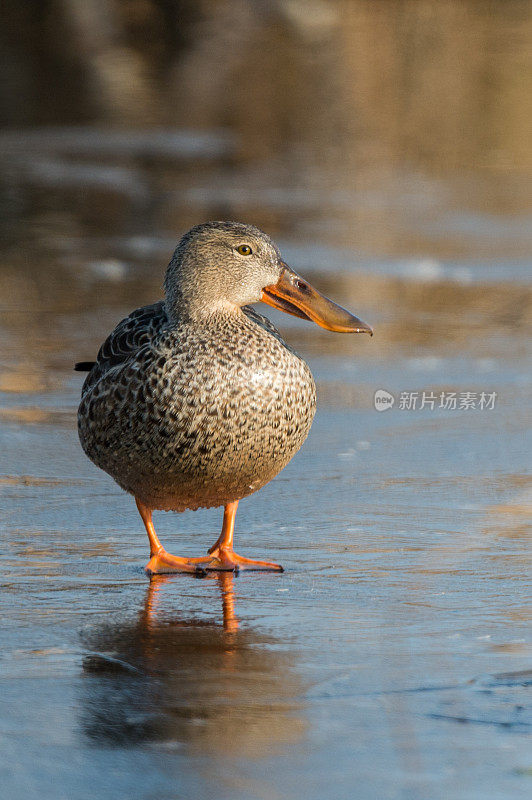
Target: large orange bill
<point x="294" y="295"/>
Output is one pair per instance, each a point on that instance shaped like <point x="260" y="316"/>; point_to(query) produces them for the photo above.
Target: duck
<point x="196" y="401"/>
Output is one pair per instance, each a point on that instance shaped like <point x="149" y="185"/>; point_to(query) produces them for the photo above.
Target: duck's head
<point x="225" y="265"/>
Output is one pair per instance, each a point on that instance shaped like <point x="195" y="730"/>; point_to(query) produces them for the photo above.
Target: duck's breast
<point x="205" y="416"/>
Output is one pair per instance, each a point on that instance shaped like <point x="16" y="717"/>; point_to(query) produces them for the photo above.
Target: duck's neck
<point x="199" y="313"/>
<point x="195" y="291"/>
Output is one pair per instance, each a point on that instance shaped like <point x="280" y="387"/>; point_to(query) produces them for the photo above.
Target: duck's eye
<point x="244" y="250"/>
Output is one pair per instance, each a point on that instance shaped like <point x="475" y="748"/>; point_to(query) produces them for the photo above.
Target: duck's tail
<point x="84" y="366"/>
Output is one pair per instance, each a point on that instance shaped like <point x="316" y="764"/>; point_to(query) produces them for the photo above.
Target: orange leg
<point x="222" y="553"/>
<point x="221" y="556"/>
<point x="161" y="561"/>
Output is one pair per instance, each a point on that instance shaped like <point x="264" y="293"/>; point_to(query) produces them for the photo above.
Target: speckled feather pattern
<point x="187" y="414"/>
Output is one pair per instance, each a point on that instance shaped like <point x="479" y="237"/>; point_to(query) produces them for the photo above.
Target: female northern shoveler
<point x="196" y="401"/>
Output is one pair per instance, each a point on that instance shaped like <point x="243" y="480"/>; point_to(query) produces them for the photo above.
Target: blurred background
<point x="387" y="147"/>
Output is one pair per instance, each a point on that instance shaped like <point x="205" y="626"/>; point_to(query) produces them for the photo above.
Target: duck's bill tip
<point x="363" y="327"/>
<point x="296" y="296"/>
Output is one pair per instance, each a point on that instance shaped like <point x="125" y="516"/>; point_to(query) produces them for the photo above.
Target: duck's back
<point x="186" y="415"/>
<point x="135" y="331"/>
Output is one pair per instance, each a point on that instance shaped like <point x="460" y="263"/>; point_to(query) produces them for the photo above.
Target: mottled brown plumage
<point x="183" y="416"/>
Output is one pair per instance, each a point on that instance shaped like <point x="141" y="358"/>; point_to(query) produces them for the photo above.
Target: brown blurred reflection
<point x="214" y="687"/>
<point x="412" y="78"/>
<point x="339" y="109"/>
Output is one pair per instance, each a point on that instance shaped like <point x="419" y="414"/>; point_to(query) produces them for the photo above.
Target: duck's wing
<point x="130" y="335"/>
<point x="263" y="321"/>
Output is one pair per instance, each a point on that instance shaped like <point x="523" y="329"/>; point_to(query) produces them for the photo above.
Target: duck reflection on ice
<point x="190" y="683"/>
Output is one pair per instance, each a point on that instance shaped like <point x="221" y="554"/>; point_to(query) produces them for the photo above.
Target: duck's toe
<point x="225" y="558"/>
